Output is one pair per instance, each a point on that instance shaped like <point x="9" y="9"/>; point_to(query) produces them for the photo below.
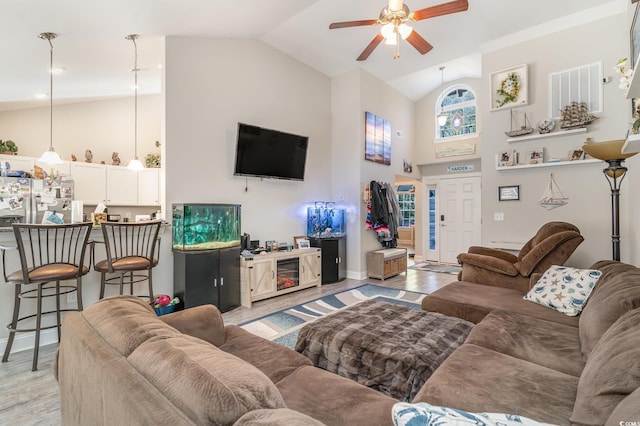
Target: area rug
<point x="434" y="267"/>
<point x="282" y="327"/>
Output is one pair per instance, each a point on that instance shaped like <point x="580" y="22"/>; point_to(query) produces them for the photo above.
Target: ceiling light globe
<point x="404" y="30"/>
<point x="388" y="31"/>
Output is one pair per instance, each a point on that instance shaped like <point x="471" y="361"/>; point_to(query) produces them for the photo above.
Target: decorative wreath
<point x="509" y="89"/>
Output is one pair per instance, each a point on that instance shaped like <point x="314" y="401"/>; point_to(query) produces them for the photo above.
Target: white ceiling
<point x="97" y="58"/>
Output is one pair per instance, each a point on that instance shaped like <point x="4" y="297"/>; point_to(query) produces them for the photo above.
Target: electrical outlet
<point x="72" y="297"/>
<point x="498" y="216"/>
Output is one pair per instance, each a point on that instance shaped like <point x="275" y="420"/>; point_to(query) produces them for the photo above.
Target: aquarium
<point x="325" y="221"/>
<point x="205" y="226"/>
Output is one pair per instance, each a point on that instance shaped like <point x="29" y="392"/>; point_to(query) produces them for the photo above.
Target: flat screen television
<point x="270" y="153"/>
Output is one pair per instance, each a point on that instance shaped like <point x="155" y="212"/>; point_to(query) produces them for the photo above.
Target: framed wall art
<point x="509" y="193"/>
<point x="377" y="139"/>
<point x="509" y="88"/>
<point x="634" y="39"/>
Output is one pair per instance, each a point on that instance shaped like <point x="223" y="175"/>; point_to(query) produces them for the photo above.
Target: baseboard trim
<point x="26" y="341"/>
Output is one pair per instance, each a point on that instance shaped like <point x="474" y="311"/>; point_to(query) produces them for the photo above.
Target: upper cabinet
<point x="115" y="185"/>
<point x="18" y="162"/>
<point x="89" y="181"/>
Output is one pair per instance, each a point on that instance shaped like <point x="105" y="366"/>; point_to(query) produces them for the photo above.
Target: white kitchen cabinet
<point x="149" y="187"/>
<point x="122" y="186"/>
<point x="90" y="182"/>
<point x="18" y="162"/>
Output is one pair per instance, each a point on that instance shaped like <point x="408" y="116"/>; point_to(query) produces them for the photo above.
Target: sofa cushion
<point x="276" y="417"/>
<point x="125" y="322"/>
<point x="209" y="385"/>
<point x="262" y="353"/>
<point x="472" y="302"/>
<point x="564" y="289"/>
<point x="628" y="408"/>
<point x="546" y="343"/>
<point x="477" y="379"/>
<point x="617" y="292"/>
<point x="611" y="373"/>
<point x="335" y="400"/>
<point x="423" y="414"/>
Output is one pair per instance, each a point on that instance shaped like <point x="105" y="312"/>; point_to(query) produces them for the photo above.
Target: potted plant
<point x="8" y="147"/>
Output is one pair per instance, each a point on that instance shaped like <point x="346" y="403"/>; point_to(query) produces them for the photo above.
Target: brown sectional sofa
<point x="120" y="364"/>
<point x="528" y="359"/>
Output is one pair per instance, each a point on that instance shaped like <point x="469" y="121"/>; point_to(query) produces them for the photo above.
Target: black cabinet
<point x="207" y="277"/>
<point x="334" y="258"/>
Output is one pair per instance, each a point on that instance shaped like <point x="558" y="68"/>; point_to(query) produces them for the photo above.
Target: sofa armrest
<point x="204" y="322"/>
<point x="489" y="263"/>
<point x="488" y="251"/>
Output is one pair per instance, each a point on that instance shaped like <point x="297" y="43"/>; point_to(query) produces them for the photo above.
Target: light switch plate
<point x="498" y="216"/>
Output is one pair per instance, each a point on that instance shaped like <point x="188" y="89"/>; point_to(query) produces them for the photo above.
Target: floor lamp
<point x="615" y="172"/>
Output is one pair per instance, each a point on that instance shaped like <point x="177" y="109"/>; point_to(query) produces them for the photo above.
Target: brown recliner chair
<point x="552" y="245"/>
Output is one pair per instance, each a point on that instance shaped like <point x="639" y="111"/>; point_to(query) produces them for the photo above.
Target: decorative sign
<point x="460" y="168"/>
<point x="451" y="151"/>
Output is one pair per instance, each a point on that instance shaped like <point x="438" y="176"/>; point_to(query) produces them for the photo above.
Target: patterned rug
<point x="283" y="326"/>
<point x="434" y="267"/>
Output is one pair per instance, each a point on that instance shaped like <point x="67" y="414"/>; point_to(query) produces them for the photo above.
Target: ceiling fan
<point x="393" y="19"/>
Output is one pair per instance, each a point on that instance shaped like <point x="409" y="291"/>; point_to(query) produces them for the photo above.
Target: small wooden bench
<point x="386" y="263"/>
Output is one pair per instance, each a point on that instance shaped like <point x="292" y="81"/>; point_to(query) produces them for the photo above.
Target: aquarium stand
<point x="334" y="258"/>
<point x="207" y="277"/>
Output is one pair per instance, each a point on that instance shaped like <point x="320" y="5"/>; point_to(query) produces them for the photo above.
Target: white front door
<point x="459" y="216"/>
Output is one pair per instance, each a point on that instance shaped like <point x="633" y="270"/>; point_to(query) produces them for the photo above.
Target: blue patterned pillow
<point x="423" y="414"/>
<point x="564" y="289"/>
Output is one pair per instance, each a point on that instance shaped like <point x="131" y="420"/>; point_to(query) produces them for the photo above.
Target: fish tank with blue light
<point x="205" y="226"/>
<point x="325" y="221"/>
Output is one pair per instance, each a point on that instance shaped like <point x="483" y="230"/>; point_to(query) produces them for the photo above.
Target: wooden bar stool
<point x="49" y="254"/>
<point x="131" y="247"/>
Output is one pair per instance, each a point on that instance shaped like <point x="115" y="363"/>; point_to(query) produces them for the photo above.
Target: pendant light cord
<point x="135" y="95"/>
<point x="50" y="94"/>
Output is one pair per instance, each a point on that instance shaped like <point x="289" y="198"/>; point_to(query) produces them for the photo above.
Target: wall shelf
<point x="554" y="164"/>
<point x="632" y="144"/>
<point x="548" y="135"/>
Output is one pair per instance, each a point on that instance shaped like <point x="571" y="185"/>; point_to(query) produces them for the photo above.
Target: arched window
<point x="459" y="104"/>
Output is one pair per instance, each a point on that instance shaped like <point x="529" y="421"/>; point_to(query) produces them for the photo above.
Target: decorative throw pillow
<point x="424" y="414"/>
<point x="564" y="289"/>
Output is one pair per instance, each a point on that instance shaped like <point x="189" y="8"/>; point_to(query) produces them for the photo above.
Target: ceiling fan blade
<point x="441" y="9"/>
<point x="348" y="24"/>
<point x="421" y="45"/>
<point x="367" y="51"/>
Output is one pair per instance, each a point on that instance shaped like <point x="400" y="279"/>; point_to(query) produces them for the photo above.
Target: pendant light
<point x="442" y="117"/>
<point x="50" y="156"/>
<point x="135" y="164"/>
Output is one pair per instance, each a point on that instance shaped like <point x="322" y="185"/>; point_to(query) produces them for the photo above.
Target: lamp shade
<point x="606" y="151"/>
<point x="51" y="157"/>
<point x="442" y="119"/>
<point x="135" y="164"/>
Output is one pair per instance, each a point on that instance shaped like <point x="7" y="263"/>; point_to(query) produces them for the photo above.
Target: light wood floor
<point x="31" y="398"/>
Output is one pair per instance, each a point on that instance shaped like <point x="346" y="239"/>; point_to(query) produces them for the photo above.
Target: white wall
<point x="211" y="85"/>
<point x="101" y="126"/>
<point x="589" y="205"/>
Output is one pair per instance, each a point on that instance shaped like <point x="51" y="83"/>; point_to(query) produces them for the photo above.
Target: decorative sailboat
<point x="553" y="196"/>
<point x="525" y="129"/>
<point x="575" y="115"/>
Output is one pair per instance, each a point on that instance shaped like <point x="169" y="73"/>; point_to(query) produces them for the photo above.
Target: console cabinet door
<point x="311" y="266"/>
<point x="263" y="276"/>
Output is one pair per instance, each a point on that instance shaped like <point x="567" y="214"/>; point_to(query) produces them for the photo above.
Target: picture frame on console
<point x="297" y="239"/>
<point x="304" y="244"/>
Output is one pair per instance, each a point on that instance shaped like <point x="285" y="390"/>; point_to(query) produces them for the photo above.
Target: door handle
<point x="215" y="282"/>
<point x="221" y="281"/>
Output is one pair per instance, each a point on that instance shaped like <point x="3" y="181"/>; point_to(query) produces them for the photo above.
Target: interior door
<point x="460" y="216"/>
